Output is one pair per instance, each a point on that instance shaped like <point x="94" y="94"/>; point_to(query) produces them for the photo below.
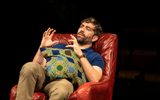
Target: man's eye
<point x="88" y="29"/>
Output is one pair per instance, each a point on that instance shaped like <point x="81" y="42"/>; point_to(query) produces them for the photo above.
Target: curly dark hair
<point x="98" y="29"/>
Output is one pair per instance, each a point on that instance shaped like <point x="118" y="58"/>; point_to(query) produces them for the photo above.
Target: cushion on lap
<point x="63" y="63"/>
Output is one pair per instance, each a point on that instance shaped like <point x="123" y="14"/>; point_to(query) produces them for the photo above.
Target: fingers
<point x="70" y="46"/>
<point x="52" y="33"/>
<point x="55" y="42"/>
<point x="73" y="39"/>
<point x="72" y="42"/>
<point x="49" y="32"/>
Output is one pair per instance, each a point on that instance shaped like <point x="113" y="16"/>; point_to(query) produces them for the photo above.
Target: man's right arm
<point x="45" y="42"/>
<point x="38" y="58"/>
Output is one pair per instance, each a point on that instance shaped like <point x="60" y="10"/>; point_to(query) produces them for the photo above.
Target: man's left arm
<point x="93" y="73"/>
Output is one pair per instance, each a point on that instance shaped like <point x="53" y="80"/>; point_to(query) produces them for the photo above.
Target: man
<point x="32" y="75"/>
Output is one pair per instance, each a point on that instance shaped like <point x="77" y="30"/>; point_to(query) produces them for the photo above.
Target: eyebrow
<point x="87" y="26"/>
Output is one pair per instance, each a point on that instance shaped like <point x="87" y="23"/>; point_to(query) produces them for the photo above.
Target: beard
<point x="82" y="39"/>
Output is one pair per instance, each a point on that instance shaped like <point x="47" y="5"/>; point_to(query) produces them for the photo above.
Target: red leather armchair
<point x="107" y="46"/>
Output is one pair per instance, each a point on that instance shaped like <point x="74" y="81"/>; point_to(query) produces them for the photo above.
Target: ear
<point x="95" y="38"/>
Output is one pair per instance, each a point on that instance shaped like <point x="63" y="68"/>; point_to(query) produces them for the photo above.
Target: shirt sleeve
<point x="98" y="61"/>
<point x="95" y="59"/>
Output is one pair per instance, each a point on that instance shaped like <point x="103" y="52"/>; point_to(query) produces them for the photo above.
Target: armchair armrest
<point x="92" y="91"/>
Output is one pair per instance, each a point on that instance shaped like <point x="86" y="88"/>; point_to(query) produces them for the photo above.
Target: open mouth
<point x="80" y="34"/>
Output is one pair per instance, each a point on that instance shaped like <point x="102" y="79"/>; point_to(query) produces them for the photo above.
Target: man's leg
<point x="59" y="89"/>
<point x="32" y="76"/>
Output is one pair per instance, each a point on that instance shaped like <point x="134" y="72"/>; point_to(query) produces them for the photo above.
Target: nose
<point x="82" y="28"/>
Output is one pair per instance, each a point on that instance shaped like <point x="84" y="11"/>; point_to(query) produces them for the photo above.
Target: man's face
<point x="85" y="33"/>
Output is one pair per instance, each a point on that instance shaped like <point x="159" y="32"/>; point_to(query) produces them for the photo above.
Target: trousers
<point x="32" y="78"/>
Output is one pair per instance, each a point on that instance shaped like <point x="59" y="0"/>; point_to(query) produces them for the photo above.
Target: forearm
<point x="91" y="73"/>
<point x="38" y="58"/>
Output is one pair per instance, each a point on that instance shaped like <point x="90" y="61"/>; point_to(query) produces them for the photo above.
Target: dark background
<point x="136" y="24"/>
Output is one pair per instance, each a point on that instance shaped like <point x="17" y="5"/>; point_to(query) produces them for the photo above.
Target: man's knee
<point x="59" y="89"/>
<point x="29" y="67"/>
<point x="61" y="93"/>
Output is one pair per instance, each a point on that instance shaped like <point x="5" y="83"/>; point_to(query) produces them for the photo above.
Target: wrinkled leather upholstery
<point x="107" y="46"/>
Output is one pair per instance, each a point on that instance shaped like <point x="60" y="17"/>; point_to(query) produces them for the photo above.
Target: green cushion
<point x="63" y="63"/>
